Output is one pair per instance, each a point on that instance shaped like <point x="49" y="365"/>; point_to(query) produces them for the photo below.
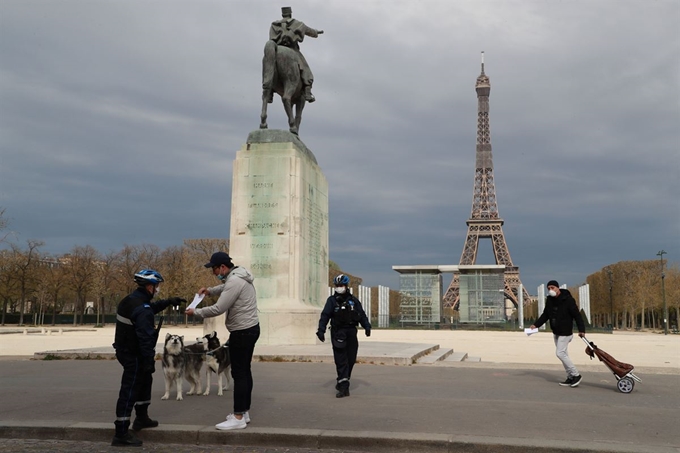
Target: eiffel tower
<point x="484" y="221"/>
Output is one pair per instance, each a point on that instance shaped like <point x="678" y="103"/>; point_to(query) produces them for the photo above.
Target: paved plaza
<point x="507" y="401"/>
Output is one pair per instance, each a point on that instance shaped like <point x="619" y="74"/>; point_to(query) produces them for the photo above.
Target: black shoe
<point x="568" y="382"/>
<point x="128" y="440"/>
<point x="575" y="381"/>
<point x="141" y="423"/>
<point x="342" y="393"/>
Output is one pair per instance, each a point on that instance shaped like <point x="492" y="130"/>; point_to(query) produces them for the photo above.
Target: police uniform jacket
<point x="343" y="311"/>
<point x="135" y="329"/>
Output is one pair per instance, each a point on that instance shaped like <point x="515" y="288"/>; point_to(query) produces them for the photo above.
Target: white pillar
<point x="541" y="302"/>
<point x="584" y="299"/>
<point x="383" y="306"/>
<point x="365" y="299"/>
<point x="520" y="306"/>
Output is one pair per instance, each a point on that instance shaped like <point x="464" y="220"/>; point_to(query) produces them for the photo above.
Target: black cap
<point x="218" y="259"/>
<point x="553" y="283"/>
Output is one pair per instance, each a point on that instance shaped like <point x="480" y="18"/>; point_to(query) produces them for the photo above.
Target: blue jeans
<point x="241" y="347"/>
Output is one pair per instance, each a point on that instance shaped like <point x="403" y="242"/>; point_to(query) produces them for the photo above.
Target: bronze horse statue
<point x="280" y="65"/>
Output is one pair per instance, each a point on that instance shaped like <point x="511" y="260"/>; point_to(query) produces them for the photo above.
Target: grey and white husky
<point x="194" y="357"/>
<point x="174" y="362"/>
<point x="218" y="361"/>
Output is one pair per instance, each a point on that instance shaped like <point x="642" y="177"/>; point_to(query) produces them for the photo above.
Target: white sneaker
<point x="231" y="423"/>
<point x="246" y="416"/>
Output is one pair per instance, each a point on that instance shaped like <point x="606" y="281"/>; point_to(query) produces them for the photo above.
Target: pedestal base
<point x="288" y="326"/>
<point x="277" y="327"/>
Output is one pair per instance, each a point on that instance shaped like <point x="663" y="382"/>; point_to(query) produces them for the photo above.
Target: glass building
<point x="481" y="294"/>
<point x="421" y="293"/>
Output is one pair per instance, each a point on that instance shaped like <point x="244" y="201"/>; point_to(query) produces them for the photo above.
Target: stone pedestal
<point x="279" y="230"/>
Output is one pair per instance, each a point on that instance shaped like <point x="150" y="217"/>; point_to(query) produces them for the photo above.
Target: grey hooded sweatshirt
<point x="236" y="298"/>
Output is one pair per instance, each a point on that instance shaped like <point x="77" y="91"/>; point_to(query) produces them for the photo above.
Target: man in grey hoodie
<point x="238" y="300"/>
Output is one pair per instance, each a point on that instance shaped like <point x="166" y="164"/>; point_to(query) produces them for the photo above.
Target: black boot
<point x="123" y="437"/>
<point x="142" y="420"/>
<point x="343" y="389"/>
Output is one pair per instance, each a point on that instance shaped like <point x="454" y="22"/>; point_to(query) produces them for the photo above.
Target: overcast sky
<point x="120" y="120"/>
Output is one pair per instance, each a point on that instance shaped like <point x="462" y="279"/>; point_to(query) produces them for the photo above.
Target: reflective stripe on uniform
<point x="123" y="320"/>
<point x="122" y="419"/>
<point x="143" y="403"/>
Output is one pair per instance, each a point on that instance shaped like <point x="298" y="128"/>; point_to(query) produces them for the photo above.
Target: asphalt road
<point x="481" y="403"/>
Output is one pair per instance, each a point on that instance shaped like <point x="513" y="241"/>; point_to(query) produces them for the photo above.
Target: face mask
<point x="552" y="293"/>
<point x="221" y="277"/>
<point x="340" y="290"/>
<point x="157" y="290"/>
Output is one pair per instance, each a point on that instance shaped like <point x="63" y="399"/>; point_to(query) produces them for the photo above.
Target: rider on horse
<point x="289" y="32"/>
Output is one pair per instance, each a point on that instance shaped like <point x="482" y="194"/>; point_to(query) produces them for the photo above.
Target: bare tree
<point x="4" y="223"/>
<point x="24" y="272"/>
<point x="54" y="282"/>
<point x="81" y="271"/>
<point x="8" y="282"/>
<point x="134" y="258"/>
<point x="206" y="247"/>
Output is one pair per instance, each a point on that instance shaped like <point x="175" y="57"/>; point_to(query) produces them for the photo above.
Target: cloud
<point x="119" y="122"/>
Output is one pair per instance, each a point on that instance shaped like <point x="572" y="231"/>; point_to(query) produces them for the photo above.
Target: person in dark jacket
<point x="344" y="312"/>
<point x="135" y="343"/>
<point x="561" y="310"/>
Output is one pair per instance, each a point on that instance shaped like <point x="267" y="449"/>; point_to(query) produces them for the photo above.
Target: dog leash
<point x="211" y="352"/>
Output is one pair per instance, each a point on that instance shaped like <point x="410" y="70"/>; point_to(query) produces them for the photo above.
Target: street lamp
<point x="611" y="303"/>
<point x="663" y="293"/>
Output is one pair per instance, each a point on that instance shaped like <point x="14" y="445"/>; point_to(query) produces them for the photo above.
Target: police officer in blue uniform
<point x="344" y="312"/>
<point x="135" y="342"/>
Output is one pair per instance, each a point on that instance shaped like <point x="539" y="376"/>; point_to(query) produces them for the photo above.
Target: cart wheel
<point x="625" y="385"/>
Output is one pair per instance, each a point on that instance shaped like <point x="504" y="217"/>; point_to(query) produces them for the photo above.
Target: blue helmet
<point x="341" y="280"/>
<point x="148" y="276"/>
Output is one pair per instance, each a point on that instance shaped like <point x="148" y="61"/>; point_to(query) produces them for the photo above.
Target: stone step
<point x="473" y="359"/>
<point x="435" y="356"/>
<point x="456" y="357"/>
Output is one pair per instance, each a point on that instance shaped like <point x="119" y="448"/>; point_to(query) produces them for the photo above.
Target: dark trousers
<point x="346" y="357"/>
<point x="135" y="390"/>
<point x="241" y="347"/>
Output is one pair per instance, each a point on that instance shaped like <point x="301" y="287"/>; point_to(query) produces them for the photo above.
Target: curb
<point x="369" y="441"/>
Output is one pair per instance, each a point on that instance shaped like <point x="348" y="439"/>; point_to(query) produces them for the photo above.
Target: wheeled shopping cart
<point x="622" y="371"/>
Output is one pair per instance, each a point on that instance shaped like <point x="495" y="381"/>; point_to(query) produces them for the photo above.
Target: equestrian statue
<point x="285" y="70"/>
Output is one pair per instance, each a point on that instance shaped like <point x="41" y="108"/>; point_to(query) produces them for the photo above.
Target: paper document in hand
<point x="197" y="300"/>
<point x="530" y="331"/>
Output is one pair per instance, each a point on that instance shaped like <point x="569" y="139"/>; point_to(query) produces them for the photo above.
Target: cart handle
<point x="587" y="342"/>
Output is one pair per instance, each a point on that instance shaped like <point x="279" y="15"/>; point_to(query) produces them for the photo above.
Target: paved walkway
<point x="509" y="401"/>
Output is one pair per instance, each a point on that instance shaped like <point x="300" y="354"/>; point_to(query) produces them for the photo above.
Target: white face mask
<point x="157" y="290"/>
<point x="340" y="290"/>
<point x="552" y="293"/>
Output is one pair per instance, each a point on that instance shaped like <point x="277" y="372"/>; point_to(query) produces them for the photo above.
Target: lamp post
<point x="611" y="303"/>
<point x="663" y="293"/>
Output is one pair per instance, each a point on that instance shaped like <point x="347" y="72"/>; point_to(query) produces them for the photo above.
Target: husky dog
<point x="217" y="361"/>
<point x="194" y="358"/>
<point x="173" y="362"/>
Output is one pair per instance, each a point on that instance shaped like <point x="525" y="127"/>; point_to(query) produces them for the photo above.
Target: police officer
<point x="136" y="338"/>
<point x="345" y="312"/>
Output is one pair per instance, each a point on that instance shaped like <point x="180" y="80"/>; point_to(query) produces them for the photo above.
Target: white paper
<point x="197" y="300"/>
<point x="530" y="331"/>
